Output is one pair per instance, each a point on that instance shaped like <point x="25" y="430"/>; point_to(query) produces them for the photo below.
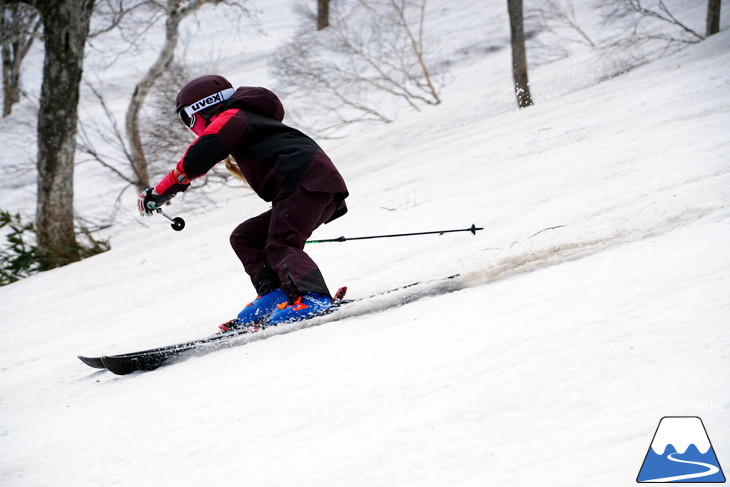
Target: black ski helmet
<point x="200" y="94"/>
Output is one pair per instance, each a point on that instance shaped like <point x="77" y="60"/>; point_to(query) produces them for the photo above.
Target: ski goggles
<point x="188" y="113"/>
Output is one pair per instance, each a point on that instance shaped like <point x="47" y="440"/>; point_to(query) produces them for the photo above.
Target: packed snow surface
<point x="594" y="302"/>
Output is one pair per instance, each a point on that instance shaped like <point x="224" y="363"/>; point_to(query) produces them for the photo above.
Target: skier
<point x="284" y="167"/>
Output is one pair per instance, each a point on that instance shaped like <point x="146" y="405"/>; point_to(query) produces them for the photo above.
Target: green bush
<point x="19" y="257"/>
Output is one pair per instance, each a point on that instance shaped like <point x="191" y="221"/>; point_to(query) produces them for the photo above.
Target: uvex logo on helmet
<point x="209" y="101"/>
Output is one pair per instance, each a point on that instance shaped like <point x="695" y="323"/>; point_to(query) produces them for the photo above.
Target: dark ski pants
<point x="270" y="245"/>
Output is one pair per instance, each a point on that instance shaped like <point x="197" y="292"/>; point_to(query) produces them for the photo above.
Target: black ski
<point x="154" y="358"/>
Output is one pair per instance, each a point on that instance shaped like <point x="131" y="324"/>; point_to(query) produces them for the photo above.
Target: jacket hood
<point x="257" y="100"/>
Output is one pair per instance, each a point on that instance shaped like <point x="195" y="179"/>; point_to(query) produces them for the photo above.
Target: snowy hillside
<point x="594" y="303"/>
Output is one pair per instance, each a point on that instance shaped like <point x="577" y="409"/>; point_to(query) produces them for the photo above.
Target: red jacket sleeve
<point x="215" y="144"/>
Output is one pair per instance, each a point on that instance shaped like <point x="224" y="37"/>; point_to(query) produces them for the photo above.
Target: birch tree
<point x="175" y="12"/>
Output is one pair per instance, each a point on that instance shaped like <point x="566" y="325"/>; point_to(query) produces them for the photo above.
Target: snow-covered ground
<point x="594" y="302"/>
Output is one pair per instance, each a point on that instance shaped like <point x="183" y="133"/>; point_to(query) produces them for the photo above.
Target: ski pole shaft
<point x="473" y="229"/>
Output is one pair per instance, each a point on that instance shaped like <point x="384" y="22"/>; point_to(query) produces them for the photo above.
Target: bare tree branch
<point x="356" y="70"/>
<point x="647" y="32"/>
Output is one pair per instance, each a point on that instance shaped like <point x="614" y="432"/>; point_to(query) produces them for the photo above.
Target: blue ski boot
<point x="307" y="306"/>
<point x="261" y="308"/>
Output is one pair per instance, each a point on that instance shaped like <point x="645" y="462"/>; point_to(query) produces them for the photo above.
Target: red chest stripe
<point x="220" y="120"/>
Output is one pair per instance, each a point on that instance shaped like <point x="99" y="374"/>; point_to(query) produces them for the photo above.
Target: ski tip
<point x="94" y="362"/>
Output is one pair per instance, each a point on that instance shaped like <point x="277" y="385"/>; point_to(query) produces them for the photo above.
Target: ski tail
<point x="339" y="296"/>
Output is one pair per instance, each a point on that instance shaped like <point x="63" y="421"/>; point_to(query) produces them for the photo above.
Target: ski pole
<point x="473" y="229"/>
<point x="177" y="222"/>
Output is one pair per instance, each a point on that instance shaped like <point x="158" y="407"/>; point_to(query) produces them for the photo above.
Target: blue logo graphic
<point x="681" y="452"/>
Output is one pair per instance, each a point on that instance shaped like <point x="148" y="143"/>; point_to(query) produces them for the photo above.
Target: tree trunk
<point x="11" y="80"/>
<point x="19" y="24"/>
<point x="66" y="27"/>
<point x="713" y="17"/>
<point x="519" y="56"/>
<point x="323" y="14"/>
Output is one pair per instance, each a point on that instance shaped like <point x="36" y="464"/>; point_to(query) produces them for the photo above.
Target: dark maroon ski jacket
<point x="273" y="157"/>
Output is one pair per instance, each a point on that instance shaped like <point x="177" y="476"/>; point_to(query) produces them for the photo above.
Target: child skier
<point x="284" y="167"/>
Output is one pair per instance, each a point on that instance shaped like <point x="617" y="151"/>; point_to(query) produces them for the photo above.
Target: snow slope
<point x="594" y="303"/>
